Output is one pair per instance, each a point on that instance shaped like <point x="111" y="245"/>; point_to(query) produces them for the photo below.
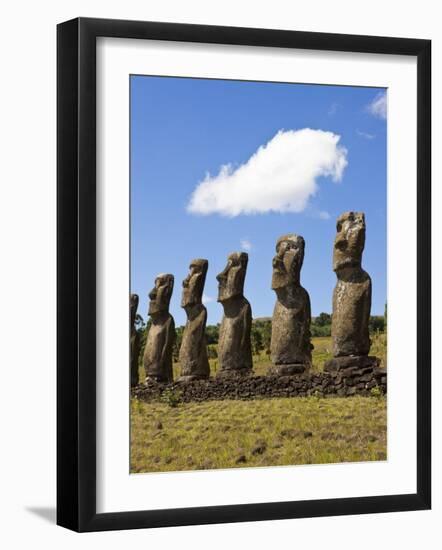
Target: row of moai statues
<point x="290" y="348"/>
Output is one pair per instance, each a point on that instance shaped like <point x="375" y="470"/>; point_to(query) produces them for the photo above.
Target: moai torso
<point x="158" y="351"/>
<point x="193" y="351"/>
<point x="351" y="315"/>
<point x="134" y="341"/>
<point x="290" y="345"/>
<point x="290" y="340"/>
<point x="234" y="344"/>
<point x="157" y="358"/>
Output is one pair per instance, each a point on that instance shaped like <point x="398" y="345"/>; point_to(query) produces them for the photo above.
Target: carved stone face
<point x="160" y="294"/>
<point x="288" y="261"/>
<point x="349" y="241"/>
<point x="231" y="280"/>
<point x="193" y="284"/>
<point x="133" y="308"/>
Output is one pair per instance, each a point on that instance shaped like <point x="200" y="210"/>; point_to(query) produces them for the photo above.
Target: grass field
<point x="266" y="432"/>
<point x="260" y="432"/>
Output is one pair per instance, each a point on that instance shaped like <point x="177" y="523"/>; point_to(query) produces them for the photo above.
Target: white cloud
<point x="323" y="215"/>
<point x="206" y="299"/>
<point x="246" y="245"/>
<point x="378" y="107"/>
<point x="279" y="177"/>
<point x="365" y="135"/>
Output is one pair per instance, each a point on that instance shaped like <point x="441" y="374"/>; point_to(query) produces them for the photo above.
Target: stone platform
<point x="342" y="383"/>
<point x="351" y="361"/>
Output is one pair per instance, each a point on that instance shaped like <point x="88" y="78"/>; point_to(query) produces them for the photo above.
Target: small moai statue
<point x="290" y="346"/>
<point x="351" y="297"/>
<point x="157" y="358"/>
<point x="234" y="344"/>
<point x="193" y="351"/>
<point x="134" y="341"/>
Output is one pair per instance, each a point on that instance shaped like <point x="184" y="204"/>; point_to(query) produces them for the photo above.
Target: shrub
<point x="320" y="330"/>
<point x="376" y="392"/>
<point x="171" y="397"/>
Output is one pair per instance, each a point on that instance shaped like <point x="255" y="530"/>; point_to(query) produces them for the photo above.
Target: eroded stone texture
<point x="157" y="358"/>
<point x="234" y="345"/>
<point x="134" y="341"/>
<point x="343" y="383"/>
<point x="290" y="347"/>
<point x="193" y="351"/>
<point x="351" y="296"/>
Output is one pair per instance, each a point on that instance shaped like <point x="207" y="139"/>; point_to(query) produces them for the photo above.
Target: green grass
<point x="262" y="432"/>
<point x="322" y="352"/>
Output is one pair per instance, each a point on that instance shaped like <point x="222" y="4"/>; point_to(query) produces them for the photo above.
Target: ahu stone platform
<point x="343" y="383"/>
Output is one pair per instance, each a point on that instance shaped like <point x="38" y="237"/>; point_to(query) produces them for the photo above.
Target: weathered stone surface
<point x="193" y="351"/>
<point x="234" y="345"/>
<point x="134" y="341"/>
<point x="287" y="370"/>
<point x="352" y="294"/>
<point x="324" y="384"/>
<point x="157" y="358"/>
<point x="291" y="348"/>
<point x="356" y="361"/>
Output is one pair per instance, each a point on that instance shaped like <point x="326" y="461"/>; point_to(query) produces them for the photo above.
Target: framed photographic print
<point x="243" y="274"/>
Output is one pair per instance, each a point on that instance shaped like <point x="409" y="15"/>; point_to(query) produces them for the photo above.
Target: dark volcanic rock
<point x="327" y="384"/>
<point x="352" y="364"/>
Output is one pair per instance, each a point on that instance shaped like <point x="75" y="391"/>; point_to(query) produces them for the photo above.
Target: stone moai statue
<point x="193" y="351"/>
<point x="157" y="358"/>
<point x="134" y="341"/>
<point x="290" y="347"/>
<point x="351" y="296"/>
<point x="234" y="345"/>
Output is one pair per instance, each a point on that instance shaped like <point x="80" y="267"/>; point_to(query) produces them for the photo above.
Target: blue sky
<point x="184" y="130"/>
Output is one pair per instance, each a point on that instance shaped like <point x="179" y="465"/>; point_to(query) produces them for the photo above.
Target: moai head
<point x="160" y="294"/>
<point x="231" y="280"/>
<point x="349" y="241"/>
<point x="288" y="261"/>
<point x="193" y="284"/>
<point x="133" y="308"/>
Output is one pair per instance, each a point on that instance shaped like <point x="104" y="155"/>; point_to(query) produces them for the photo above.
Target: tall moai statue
<point x="193" y="351"/>
<point x="234" y="345"/>
<point x="157" y="358"/>
<point x="351" y="296"/>
<point x="134" y="341"/>
<point x="290" y="346"/>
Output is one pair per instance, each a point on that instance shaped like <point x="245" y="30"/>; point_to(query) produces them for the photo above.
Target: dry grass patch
<point x="261" y="432"/>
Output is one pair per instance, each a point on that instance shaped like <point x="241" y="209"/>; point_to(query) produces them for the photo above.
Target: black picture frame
<point x="76" y="274"/>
